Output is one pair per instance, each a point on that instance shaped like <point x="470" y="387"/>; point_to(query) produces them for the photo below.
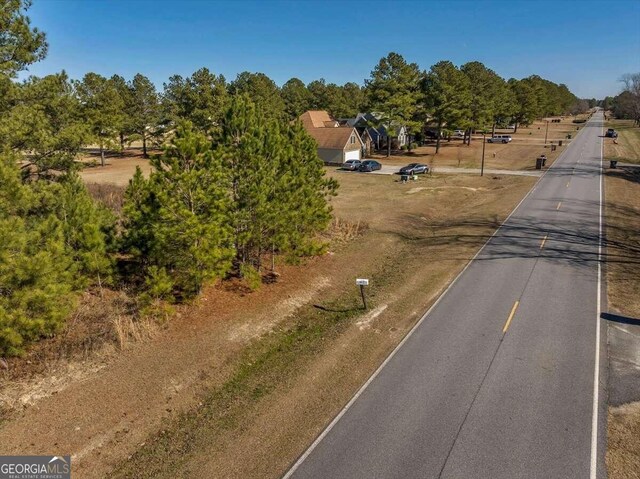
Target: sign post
<point x="362" y="283"/>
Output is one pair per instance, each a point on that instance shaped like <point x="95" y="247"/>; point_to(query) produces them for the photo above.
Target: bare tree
<point x="631" y="100"/>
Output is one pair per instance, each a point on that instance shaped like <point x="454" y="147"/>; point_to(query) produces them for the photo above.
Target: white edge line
<point x="344" y="410"/>
<point x="596" y="370"/>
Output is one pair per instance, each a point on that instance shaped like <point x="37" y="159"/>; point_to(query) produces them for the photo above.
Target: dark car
<point x="414" y="169"/>
<point x="351" y="165"/>
<point x="611" y="133"/>
<point x="369" y="165"/>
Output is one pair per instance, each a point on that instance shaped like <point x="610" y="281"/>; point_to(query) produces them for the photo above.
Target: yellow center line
<point x="559" y="204"/>
<point x="511" y="315"/>
<point x="543" y="241"/>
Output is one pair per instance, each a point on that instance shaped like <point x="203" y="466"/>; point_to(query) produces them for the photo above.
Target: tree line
<point x="625" y="105"/>
<point x="111" y="113"/>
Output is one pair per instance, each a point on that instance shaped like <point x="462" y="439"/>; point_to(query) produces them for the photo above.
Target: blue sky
<point x="586" y="44"/>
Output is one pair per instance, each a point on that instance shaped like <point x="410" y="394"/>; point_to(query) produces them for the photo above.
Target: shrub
<point x="251" y="276"/>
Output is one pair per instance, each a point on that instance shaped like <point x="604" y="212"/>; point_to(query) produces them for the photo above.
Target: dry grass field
<point x="118" y="169"/>
<point x="520" y="154"/>
<point x="236" y="384"/>
<point x="627" y="147"/>
<point x="622" y="188"/>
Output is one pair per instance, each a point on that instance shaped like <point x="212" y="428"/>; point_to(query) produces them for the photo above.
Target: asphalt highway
<point x="502" y="377"/>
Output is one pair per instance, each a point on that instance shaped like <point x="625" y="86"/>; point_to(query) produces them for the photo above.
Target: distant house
<point x="336" y="143"/>
<point x="377" y="131"/>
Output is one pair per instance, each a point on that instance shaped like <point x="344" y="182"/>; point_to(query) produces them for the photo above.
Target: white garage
<point x="352" y="155"/>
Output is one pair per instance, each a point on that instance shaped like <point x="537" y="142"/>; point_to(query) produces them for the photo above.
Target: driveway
<point x="392" y="170"/>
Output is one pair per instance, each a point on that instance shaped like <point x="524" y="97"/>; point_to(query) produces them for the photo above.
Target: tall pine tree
<point x="177" y="221"/>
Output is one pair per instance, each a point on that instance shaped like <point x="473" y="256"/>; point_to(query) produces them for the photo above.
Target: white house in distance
<point x="336" y="144"/>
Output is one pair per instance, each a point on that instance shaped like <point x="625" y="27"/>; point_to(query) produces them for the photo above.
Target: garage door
<point x="351" y="155"/>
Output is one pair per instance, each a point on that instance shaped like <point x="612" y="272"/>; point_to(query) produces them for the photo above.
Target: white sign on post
<point x="362" y="282"/>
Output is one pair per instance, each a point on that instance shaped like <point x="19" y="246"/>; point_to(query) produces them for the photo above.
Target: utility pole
<point x="484" y="142"/>
<point x="546" y="131"/>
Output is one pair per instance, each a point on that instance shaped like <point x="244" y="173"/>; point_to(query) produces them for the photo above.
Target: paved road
<point x="497" y="380"/>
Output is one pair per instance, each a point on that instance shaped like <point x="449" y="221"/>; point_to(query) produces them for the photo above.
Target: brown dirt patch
<point x="118" y="169"/>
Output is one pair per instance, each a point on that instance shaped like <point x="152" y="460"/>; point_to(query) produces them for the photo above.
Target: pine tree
<point x="243" y="143"/>
<point x="394" y="91"/>
<point x="42" y="117"/>
<point x="144" y="111"/>
<point x="102" y="108"/>
<point x="277" y="185"/>
<point x="447" y="96"/>
<point x="20" y="45"/>
<point x="53" y="238"/>
<point x="262" y="91"/>
<point x="123" y="119"/>
<point x="177" y="220"/>
<point x="484" y="91"/>
<point x="88" y="228"/>
<point x="200" y="99"/>
<point x="36" y="274"/>
<point x="297" y="98"/>
<point x="301" y="192"/>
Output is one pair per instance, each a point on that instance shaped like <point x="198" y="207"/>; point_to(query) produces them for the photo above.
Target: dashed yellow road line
<point x="511" y="315"/>
<point x="559" y="204"/>
<point x="543" y="241"/>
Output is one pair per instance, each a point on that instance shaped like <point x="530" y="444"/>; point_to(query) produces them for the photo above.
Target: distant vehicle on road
<point x="414" y="169"/>
<point x="499" y="139"/>
<point x="369" y="165"/>
<point x="458" y="134"/>
<point x="611" y="133"/>
<point x="351" y="165"/>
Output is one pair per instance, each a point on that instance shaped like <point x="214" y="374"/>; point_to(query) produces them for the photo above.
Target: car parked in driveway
<point x="499" y="139"/>
<point x="351" y="165"/>
<point x="369" y="165"/>
<point x="414" y="169"/>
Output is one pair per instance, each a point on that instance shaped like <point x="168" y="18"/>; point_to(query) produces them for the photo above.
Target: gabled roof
<point x="326" y="131"/>
<point x="347" y="121"/>
<point x="375" y="133"/>
<point x="317" y="119"/>
<point x="333" y="138"/>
